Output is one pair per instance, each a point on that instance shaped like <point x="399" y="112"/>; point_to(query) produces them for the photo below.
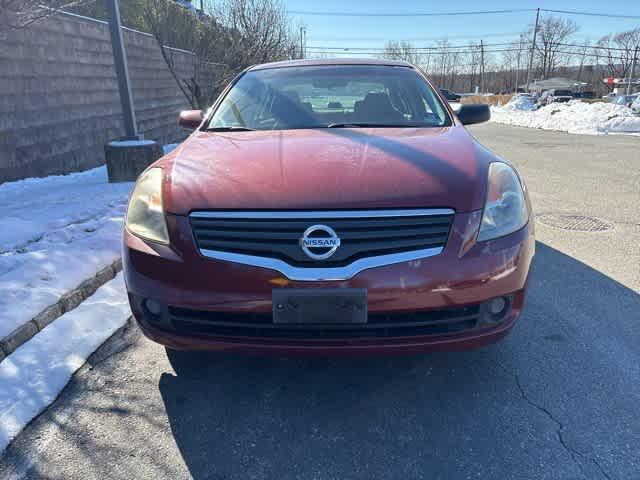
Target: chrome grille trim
<point x="320" y="214"/>
<point x="320" y="273"/>
<point x="316" y="274"/>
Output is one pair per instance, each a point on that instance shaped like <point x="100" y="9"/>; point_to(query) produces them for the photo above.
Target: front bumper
<point x="464" y="274"/>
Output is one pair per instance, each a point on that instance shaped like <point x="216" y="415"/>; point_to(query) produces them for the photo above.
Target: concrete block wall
<point x="59" y="99"/>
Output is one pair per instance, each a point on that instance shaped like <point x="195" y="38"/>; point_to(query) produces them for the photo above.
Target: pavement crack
<point x="574" y="453"/>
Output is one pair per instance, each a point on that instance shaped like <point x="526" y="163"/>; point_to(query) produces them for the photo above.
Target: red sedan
<point x="329" y="207"/>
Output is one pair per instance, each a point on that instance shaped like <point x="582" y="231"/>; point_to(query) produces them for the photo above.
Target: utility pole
<point x="128" y="156"/>
<point x="518" y="64"/>
<point x="533" y="47"/>
<point x="302" y="35"/>
<point x="584" y="53"/>
<point x="633" y="70"/>
<point x="481" y="67"/>
<point x="122" y="72"/>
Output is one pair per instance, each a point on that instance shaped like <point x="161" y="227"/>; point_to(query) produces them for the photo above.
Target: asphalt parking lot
<point x="557" y="399"/>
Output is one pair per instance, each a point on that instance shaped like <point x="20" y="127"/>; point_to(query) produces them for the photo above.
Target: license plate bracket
<point x="319" y="306"/>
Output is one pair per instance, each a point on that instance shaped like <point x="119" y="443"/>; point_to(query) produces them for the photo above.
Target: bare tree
<point x="405" y="51"/>
<point x="473" y="59"/>
<point x="443" y="61"/>
<point x="173" y="25"/>
<point x="234" y="35"/>
<point x="257" y="31"/>
<point x="617" y="51"/>
<point x="583" y="53"/>
<point x="510" y="63"/>
<point x="549" y="49"/>
<point x="22" y="13"/>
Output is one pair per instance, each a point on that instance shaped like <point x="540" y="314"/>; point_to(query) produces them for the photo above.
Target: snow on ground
<point x="32" y="377"/>
<point x="572" y="117"/>
<point x="56" y="232"/>
<point x="455" y="106"/>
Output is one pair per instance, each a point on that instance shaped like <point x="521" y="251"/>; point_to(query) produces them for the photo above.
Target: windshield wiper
<point x="230" y="129"/>
<point x="372" y="125"/>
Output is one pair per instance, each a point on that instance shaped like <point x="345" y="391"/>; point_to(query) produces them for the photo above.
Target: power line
<point x="461" y="13"/>
<point x="594" y="47"/>
<point x="449" y="47"/>
<point x="592" y="14"/>
<point x="409" y="14"/>
<point x="373" y="39"/>
<point x="465" y="48"/>
<point x="381" y="55"/>
<point x="609" y="57"/>
<point x="382" y="52"/>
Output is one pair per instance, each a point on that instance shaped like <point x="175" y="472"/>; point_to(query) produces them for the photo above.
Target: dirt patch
<point x="487" y="99"/>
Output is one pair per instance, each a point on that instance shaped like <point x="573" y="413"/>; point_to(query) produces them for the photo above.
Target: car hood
<point x="327" y="169"/>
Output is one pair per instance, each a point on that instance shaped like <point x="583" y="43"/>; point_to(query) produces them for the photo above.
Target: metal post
<point x="633" y="70"/>
<point x="584" y="53"/>
<point x="301" y="42"/>
<point x="517" y="72"/>
<point x="533" y="47"/>
<point x="481" y="67"/>
<point x="122" y="72"/>
<point x="518" y="65"/>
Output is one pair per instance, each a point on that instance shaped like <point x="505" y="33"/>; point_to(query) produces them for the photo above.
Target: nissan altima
<point x="330" y="207"/>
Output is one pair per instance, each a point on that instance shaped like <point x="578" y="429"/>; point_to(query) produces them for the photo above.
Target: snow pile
<point x="573" y="117"/>
<point x="521" y="103"/>
<point x="33" y="376"/>
<point x="56" y="232"/>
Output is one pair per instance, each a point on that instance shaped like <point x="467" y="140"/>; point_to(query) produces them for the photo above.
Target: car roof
<point x="330" y="62"/>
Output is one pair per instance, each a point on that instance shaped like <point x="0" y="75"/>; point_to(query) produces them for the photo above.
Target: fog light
<point x="153" y="307"/>
<point x="497" y="305"/>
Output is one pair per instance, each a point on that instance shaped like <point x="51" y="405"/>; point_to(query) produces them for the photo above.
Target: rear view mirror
<point x="470" y="114"/>
<point x="190" y="119"/>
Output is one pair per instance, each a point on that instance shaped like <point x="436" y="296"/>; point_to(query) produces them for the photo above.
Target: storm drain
<point x="579" y="223"/>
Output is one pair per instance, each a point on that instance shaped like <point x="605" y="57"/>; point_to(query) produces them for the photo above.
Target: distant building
<point x="186" y="4"/>
<point x="189" y="5"/>
<point x="558" y="83"/>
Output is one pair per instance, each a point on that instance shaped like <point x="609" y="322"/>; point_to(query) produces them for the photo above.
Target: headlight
<point x="145" y="216"/>
<point x="505" y="209"/>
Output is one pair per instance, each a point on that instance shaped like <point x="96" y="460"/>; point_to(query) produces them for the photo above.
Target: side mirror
<point x="190" y="119"/>
<point x="470" y="114"/>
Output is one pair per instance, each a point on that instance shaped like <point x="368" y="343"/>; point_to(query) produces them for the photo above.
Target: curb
<point x="67" y="302"/>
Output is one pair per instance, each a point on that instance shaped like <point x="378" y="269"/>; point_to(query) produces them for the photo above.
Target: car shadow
<point x="445" y="415"/>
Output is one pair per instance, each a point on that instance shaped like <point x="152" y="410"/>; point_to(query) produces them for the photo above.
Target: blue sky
<point x="331" y="31"/>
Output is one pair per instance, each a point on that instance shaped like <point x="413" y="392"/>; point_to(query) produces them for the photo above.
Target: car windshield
<point x="329" y="96"/>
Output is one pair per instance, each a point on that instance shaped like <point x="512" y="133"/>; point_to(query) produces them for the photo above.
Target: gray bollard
<point x="127" y="159"/>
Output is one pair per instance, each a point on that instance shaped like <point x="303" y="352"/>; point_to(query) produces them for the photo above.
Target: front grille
<point x="362" y="234"/>
<point x="257" y="326"/>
